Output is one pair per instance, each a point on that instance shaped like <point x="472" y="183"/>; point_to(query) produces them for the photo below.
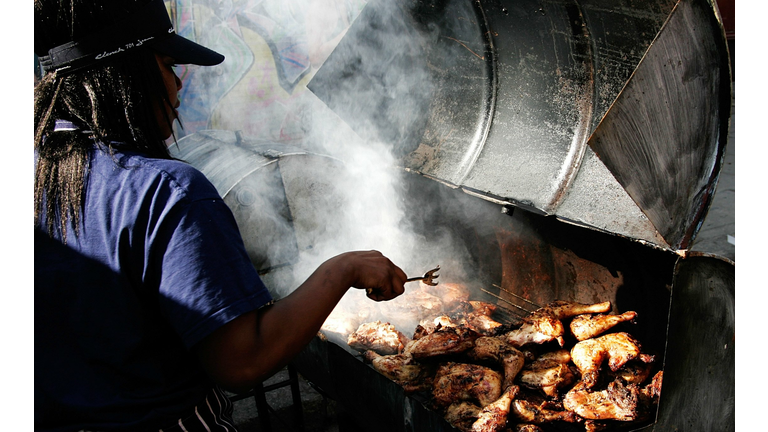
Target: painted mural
<point x="272" y="49"/>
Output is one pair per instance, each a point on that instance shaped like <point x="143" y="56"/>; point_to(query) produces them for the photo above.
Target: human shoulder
<point x="170" y="173"/>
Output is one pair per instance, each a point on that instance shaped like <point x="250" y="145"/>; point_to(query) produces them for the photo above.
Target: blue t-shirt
<point x="158" y="265"/>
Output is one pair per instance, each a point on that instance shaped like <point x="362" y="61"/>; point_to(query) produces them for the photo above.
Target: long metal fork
<point x="428" y="278"/>
<point x="521" y="310"/>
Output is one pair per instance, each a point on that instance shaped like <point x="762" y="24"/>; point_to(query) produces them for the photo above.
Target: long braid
<point x="112" y="102"/>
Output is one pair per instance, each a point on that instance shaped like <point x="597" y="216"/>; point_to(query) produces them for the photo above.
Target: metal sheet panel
<point x="502" y="99"/>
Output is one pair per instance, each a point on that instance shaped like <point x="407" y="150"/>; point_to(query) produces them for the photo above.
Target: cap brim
<point x="184" y="51"/>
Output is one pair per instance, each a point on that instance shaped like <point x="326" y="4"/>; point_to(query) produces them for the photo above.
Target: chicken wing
<point x="456" y="382"/>
<point x="616" y="348"/>
<point x="585" y="327"/>
<point x="493" y="418"/>
<point x="381" y="337"/>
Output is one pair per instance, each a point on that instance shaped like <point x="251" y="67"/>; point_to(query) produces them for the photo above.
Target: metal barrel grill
<point x="573" y="148"/>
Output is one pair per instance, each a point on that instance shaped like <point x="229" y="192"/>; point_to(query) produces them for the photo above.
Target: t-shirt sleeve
<point x="207" y="278"/>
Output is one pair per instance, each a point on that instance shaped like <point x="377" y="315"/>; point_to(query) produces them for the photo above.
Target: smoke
<point x="356" y="123"/>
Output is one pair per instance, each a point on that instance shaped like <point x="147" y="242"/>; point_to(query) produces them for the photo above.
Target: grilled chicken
<point x="428" y="326"/>
<point x="497" y="350"/>
<point x="381" y="337"/>
<point x="537" y="329"/>
<point x="562" y="309"/>
<point x="549" y="373"/>
<point x="530" y="412"/>
<point x="617" y="348"/>
<point x="443" y="341"/>
<point x="617" y="402"/>
<point x="586" y="327"/>
<point x="462" y="415"/>
<point x="493" y="418"/>
<point x="455" y="382"/>
<point x="402" y="369"/>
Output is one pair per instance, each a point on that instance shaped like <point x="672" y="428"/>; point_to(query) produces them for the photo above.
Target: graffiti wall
<point x="272" y="49"/>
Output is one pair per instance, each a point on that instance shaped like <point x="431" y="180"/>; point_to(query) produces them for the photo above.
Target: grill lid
<point x="608" y="114"/>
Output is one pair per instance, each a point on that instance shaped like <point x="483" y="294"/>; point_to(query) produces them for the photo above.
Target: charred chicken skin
<point x="381" y="337"/>
<point x="455" y="382"/>
<point x="493" y="418"/>
<point x="585" y="327"/>
<point x="616" y="348"/>
<point x="443" y="341"/>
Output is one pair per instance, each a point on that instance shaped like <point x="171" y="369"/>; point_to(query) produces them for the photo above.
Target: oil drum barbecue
<point x="571" y="149"/>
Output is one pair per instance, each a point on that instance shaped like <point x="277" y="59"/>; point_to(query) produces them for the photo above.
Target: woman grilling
<point x="146" y="303"/>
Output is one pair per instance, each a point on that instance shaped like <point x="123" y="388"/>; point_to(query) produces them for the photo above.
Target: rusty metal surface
<point x="510" y="101"/>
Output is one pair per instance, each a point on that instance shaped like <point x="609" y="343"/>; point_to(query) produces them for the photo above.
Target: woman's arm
<point x="254" y="346"/>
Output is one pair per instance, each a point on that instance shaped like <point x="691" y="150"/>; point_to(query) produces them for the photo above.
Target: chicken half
<point x="493" y="418"/>
<point x="455" y="382"/>
<point x="497" y="350"/>
<point x="443" y="341"/>
<point x="616" y="348"/>
<point x="585" y="327"/>
<point x="378" y="336"/>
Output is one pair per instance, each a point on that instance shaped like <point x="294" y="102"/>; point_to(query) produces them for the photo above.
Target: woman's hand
<point x="376" y="274"/>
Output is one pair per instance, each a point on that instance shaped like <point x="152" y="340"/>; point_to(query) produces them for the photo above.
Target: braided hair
<point x="109" y="103"/>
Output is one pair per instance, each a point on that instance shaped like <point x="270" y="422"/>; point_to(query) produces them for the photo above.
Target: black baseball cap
<point x="149" y="26"/>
